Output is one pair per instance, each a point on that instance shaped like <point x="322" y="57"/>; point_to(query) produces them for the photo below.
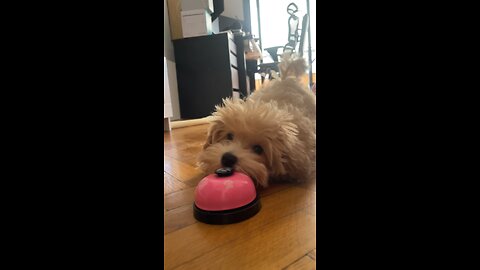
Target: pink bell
<point x="225" y="197"/>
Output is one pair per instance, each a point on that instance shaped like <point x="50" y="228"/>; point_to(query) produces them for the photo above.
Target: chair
<point x="295" y="42"/>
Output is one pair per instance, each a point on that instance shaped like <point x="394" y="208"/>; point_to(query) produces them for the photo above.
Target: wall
<point x="168" y="53"/>
<point x="233" y="9"/>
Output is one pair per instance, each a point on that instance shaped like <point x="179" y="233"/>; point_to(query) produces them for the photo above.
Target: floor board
<point x="305" y="263"/>
<point x="170" y="184"/>
<point x="273" y="246"/>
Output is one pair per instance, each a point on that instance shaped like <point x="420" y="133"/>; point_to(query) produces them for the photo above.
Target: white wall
<point x="233" y="9"/>
<point x="168" y="53"/>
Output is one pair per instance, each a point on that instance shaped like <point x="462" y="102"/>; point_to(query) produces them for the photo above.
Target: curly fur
<point x="281" y="118"/>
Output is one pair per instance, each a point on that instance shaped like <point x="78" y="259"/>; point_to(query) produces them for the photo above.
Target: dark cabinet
<point x="207" y="72"/>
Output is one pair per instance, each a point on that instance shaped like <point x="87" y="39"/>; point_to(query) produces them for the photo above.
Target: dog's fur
<point x="281" y="118"/>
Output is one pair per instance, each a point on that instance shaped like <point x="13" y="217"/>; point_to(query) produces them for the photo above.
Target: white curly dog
<point x="269" y="136"/>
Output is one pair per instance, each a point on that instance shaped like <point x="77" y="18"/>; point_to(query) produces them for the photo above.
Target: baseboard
<point x="188" y="123"/>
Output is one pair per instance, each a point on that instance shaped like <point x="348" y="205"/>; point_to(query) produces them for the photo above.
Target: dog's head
<point x="252" y="137"/>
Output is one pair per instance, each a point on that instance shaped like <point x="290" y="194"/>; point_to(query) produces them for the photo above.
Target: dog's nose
<point x="228" y="159"/>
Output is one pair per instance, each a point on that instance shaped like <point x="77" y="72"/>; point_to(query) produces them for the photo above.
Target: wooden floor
<point x="280" y="236"/>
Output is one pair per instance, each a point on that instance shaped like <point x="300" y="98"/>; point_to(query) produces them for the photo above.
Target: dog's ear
<point x="282" y="147"/>
<point x="209" y="140"/>
<point x="212" y="133"/>
<point x="298" y="153"/>
<point x="223" y="114"/>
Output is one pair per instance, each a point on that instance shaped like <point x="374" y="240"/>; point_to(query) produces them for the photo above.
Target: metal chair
<point x="295" y="42"/>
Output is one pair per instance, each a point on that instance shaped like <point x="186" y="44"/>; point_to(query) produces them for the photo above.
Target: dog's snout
<point x="229" y="159"/>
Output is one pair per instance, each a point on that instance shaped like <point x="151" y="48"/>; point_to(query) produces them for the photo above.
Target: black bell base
<point x="228" y="216"/>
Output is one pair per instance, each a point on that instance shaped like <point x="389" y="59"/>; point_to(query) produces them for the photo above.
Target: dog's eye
<point x="257" y="149"/>
<point x="229" y="136"/>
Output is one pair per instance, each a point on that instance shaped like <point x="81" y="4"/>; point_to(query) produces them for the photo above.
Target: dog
<point x="271" y="135"/>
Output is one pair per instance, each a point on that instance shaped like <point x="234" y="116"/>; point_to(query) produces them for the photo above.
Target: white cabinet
<point x="167" y="102"/>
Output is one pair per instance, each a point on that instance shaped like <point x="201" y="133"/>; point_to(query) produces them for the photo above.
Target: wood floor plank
<point x="200" y="238"/>
<point x="180" y="170"/>
<point x="187" y="152"/>
<point x="178" y="218"/>
<point x="310" y="185"/>
<point x="180" y="198"/>
<point x="189" y="158"/>
<point x="193" y="133"/>
<point x="170" y="184"/>
<point x="312" y="209"/>
<point x="273" y="246"/>
<point x="313" y="254"/>
<point x="179" y="139"/>
<point x="305" y="263"/>
<point x="167" y="145"/>
<point x="272" y="188"/>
